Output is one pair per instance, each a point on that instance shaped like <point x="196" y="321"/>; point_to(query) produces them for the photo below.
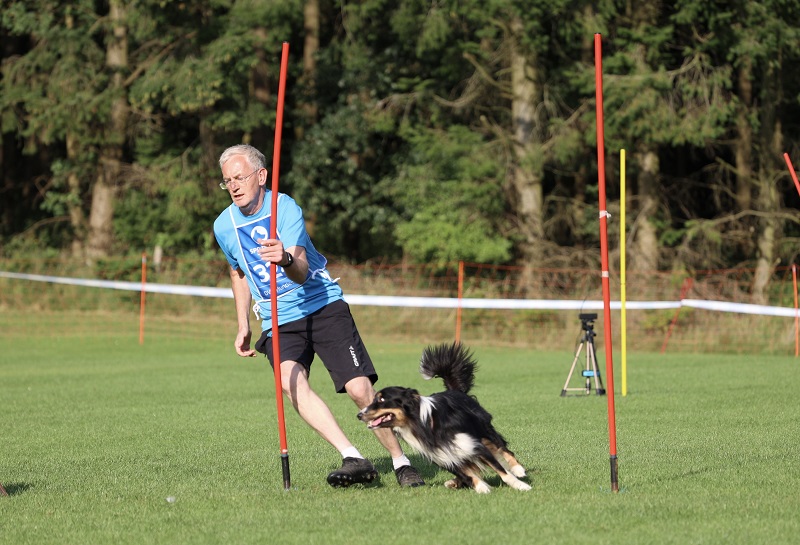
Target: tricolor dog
<point x="449" y="428"/>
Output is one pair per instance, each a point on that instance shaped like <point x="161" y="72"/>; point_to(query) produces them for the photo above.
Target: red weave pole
<point x="794" y="268"/>
<point x="601" y="182"/>
<point x="791" y="171"/>
<point x="273" y="294"/>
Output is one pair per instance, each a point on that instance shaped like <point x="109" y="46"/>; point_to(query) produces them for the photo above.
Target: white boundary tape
<point x="128" y="286"/>
<point x="427" y="302"/>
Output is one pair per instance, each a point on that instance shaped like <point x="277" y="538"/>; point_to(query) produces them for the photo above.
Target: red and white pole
<point x="273" y="295"/>
<point x="601" y="179"/>
<point x="794" y="267"/>
<point x="791" y="171"/>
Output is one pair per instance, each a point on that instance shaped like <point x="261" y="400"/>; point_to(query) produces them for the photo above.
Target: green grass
<point x="98" y="432"/>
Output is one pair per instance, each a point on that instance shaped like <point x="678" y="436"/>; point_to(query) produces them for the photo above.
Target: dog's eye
<point x="381" y="400"/>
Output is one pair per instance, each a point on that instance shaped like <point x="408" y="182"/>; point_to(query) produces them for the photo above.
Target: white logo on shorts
<point x="353" y="355"/>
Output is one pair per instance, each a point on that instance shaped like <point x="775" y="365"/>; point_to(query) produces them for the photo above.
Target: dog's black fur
<point x="450" y="428"/>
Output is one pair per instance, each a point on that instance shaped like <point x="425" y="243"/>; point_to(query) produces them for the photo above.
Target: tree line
<point x="418" y="130"/>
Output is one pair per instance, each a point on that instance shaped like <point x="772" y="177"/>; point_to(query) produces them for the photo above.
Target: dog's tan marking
<point x="515" y="468"/>
<point x="479" y="485"/>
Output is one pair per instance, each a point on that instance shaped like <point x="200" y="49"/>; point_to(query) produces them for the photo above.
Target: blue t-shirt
<point x="237" y="234"/>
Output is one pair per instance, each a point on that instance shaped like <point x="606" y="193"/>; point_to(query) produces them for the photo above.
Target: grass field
<point x="98" y="431"/>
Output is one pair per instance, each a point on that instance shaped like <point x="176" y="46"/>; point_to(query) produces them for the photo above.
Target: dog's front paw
<point x="517" y="471"/>
<point x="483" y="488"/>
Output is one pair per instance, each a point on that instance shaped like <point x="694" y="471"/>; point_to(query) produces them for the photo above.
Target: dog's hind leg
<point x="509" y="478"/>
<point x="513" y="464"/>
<point x="469" y="476"/>
<point x="495" y="443"/>
<point x="515" y="469"/>
<point x="509" y="460"/>
<point x="460" y="481"/>
<point x="515" y="483"/>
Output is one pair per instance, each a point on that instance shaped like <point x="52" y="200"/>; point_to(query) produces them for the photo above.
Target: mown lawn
<point x="97" y="432"/>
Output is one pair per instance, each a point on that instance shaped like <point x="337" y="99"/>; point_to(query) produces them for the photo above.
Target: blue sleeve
<point x="223" y="240"/>
<point x="292" y="230"/>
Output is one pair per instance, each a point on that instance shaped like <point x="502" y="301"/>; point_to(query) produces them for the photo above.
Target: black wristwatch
<point x="289" y="260"/>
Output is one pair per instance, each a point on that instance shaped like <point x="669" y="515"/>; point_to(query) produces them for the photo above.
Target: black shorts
<point x="330" y="333"/>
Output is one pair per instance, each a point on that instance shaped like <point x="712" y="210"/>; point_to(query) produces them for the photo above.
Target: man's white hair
<point x="254" y="157"/>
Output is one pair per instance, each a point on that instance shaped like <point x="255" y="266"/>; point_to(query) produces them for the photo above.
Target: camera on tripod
<point x="591" y="371"/>
<point x="587" y="321"/>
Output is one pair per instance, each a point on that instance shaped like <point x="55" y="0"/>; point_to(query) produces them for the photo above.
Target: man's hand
<point x="272" y="250"/>
<point x="242" y="345"/>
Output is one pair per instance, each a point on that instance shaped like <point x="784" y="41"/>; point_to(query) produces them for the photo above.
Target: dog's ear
<point x="411" y="401"/>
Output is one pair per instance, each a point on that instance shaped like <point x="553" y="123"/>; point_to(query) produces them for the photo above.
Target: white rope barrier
<point x="427" y="302"/>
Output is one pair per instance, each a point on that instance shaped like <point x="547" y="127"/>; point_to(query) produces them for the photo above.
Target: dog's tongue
<point x="377" y="422"/>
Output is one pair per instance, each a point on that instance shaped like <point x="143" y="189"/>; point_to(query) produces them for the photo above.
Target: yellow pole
<point x="623" y="323"/>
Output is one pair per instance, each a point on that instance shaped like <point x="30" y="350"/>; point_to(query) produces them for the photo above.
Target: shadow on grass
<point x="14" y="489"/>
<point x="426" y="469"/>
<point x="429" y="471"/>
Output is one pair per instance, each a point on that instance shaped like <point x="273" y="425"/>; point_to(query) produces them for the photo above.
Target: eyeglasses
<point x="224" y="184"/>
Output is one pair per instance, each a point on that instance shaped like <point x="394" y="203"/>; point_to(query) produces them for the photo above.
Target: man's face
<point x="245" y="183"/>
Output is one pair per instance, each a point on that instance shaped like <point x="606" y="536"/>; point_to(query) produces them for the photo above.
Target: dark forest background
<point x="415" y="131"/>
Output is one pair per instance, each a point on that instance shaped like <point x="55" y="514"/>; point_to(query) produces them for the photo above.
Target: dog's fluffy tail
<point x="453" y="363"/>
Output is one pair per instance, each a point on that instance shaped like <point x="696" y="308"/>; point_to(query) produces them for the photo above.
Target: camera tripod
<point x="591" y="370"/>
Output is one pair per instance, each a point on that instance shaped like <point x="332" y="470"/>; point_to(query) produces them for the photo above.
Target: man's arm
<point x="243" y="299"/>
<point x="299" y="268"/>
<point x="272" y="250"/>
